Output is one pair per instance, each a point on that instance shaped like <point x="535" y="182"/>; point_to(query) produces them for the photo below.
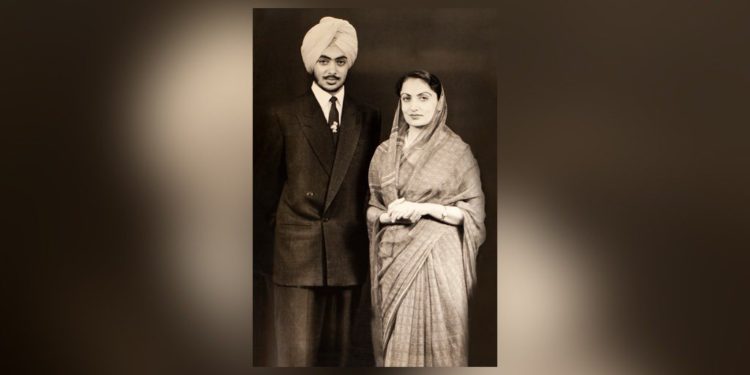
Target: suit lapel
<point x="315" y="129"/>
<point x="351" y="125"/>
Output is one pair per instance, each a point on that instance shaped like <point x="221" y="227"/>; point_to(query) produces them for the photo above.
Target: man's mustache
<point x="334" y="77"/>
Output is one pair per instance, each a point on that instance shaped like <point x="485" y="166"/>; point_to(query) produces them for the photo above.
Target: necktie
<point x="333" y="120"/>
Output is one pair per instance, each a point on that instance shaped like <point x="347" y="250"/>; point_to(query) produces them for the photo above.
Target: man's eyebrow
<point x="331" y="58"/>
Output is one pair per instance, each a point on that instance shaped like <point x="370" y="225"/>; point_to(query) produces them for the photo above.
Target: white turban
<point x="330" y="31"/>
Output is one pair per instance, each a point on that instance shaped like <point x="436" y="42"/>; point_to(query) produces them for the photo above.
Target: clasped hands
<point x="402" y="210"/>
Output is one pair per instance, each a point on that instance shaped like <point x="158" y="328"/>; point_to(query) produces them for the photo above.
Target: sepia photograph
<point x="374" y="206"/>
<point x="231" y="187"/>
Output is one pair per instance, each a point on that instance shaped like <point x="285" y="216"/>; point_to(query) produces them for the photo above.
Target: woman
<point x="426" y="222"/>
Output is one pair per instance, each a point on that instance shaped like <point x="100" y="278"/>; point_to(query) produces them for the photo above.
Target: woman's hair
<point x="429" y="78"/>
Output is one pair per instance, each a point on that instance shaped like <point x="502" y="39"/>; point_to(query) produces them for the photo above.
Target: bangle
<point x="444" y="215"/>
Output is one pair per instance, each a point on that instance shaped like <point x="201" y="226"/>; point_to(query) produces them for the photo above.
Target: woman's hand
<point x="407" y="211"/>
<point x="395" y="203"/>
<point x="402" y="209"/>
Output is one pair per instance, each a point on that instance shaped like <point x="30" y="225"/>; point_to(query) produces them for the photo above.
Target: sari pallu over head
<point x="437" y="168"/>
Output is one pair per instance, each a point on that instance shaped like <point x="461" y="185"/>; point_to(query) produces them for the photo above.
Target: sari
<point x="422" y="273"/>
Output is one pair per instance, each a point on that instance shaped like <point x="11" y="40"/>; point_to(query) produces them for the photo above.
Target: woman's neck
<point x="413" y="134"/>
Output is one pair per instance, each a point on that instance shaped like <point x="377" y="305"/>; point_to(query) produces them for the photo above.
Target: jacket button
<point x="309" y="194"/>
<point x="325" y="219"/>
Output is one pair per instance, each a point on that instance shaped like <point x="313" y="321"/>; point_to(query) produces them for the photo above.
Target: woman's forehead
<point x="415" y="86"/>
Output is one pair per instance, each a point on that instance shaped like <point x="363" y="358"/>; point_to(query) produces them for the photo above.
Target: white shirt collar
<point x="324" y="99"/>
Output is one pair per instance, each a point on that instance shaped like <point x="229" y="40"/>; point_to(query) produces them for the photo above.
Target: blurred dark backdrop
<point x="629" y="120"/>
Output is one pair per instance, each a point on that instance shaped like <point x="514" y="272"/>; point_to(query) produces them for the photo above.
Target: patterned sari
<point x="422" y="274"/>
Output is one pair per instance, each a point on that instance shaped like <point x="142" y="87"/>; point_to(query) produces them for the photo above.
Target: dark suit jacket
<point x="310" y="197"/>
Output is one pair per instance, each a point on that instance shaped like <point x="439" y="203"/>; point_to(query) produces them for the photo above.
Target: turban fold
<point x="330" y="31"/>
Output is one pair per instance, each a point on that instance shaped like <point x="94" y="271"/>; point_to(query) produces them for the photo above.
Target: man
<point x="311" y="187"/>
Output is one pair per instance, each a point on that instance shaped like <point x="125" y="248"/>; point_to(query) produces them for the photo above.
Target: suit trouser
<point x="313" y="324"/>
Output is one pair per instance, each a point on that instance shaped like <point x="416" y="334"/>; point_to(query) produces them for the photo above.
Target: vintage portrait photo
<point x="374" y="205"/>
<point x="227" y="187"/>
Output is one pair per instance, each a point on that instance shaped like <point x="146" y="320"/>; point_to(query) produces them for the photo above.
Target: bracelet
<point x="444" y="215"/>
